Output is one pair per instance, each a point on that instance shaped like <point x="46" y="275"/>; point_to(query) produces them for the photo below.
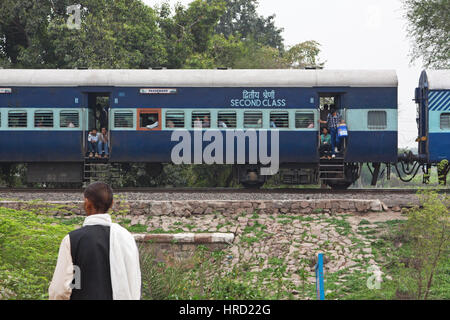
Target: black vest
<point x="90" y="252"/>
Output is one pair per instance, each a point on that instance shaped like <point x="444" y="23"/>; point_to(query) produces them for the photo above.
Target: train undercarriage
<point x="335" y="174"/>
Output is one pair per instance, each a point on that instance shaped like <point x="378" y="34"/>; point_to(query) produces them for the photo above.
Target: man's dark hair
<point x="101" y="196"/>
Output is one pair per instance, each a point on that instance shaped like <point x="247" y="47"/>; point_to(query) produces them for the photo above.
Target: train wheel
<point x="154" y="170"/>
<point x="339" y="185"/>
<point x="254" y="186"/>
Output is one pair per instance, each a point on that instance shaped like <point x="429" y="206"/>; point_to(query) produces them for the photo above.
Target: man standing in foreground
<point x="103" y="255"/>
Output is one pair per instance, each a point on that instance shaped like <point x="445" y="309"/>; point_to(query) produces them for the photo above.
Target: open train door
<point x="110" y="126"/>
<point x="84" y="130"/>
<point x="421" y="99"/>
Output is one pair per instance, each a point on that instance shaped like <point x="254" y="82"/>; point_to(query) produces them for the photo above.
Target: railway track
<point x="230" y="190"/>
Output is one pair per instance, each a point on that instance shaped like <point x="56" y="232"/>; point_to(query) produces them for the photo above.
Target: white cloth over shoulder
<point x="124" y="259"/>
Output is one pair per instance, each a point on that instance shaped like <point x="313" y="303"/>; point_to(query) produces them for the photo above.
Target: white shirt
<point x="153" y="126"/>
<point x="124" y="263"/>
<point x="92" y="138"/>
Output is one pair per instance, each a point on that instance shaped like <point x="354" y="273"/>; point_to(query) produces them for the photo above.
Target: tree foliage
<point x="429" y="231"/>
<point x="129" y="34"/>
<point x="242" y="19"/>
<point x="430" y="31"/>
<point x="113" y="34"/>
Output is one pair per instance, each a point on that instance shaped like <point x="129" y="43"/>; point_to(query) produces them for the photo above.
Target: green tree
<point x="23" y="26"/>
<point x="303" y="55"/>
<point x="188" y="31"/>
<point x="429" y="231"/>
<point x="242" y="19"/>
<point x="429" y="30"/>
<point x="113" y="34"/>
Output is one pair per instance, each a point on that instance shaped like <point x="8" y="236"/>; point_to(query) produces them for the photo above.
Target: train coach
<point x="46" y="115"/>
<point x="433" y="115"/>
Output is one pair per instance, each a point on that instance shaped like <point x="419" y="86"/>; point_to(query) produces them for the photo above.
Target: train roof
<point x="436" y="79"/>
<point x="197" y="78"/>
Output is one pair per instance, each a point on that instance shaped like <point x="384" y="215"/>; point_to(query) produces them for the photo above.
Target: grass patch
<point x="29" y="248"/>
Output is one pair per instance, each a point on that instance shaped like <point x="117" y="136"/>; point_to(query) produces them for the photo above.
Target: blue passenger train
<point x="433" y="100"/>
<point x="46" y="115"/>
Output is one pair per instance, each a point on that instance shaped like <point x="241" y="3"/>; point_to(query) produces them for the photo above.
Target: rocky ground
<point x="264" y="242"/>
<point x="284" y="243"/>
<point x="390" y="199"/>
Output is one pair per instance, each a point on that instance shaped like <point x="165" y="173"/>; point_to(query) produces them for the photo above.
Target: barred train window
<point x="174" y="120"/>
<point x="69" y="119"/>
<point x="377" y="120"/>
<point x="201" y="120"/>
<point x="17" y="119"/>
<point x="123" y="120"/>
<point x="227" y="120"/>
<point x="43" y="119"/>
<point x="253" y="120"/>
<point x="279" y="119"/>
<point x="445" y="121"/>
<point x="304" y="120"/>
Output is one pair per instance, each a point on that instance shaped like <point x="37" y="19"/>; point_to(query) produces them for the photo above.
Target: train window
<point x="279" y="119"/>
<point x="69" y="119"/>
<point x="227" y="120"/>
<point x="304" y="120"/>
<point x="17" y="119"/>
<point x="174" y="120"/>
<point x="43" y="119"/>
<point x="123" y="120"/>
<point x="201" y="120"/>
<point x="253" y="120"/>
<point x="445" y="121"/>
<point x="149" y="120"/>
<point x="377" y="120"/>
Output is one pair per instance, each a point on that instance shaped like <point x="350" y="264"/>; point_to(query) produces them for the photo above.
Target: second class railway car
<point x="46" y="115"/>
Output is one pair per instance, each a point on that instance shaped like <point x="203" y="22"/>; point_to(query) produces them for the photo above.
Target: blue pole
<point x="320" y="288"/>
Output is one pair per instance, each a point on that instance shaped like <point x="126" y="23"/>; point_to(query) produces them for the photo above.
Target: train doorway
<point x="329" y="102"/>
<point x="97" y="118"/>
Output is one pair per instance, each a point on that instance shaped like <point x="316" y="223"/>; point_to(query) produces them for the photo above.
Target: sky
<point x="354" y="34"/>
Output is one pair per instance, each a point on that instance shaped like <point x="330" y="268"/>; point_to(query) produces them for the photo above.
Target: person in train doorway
<point x="324" y="113"/>
<point x="103" y="144"/>
<point x="333" y="120"/>
<point x="103" y="118"/>
<point x="93" y="143"/>
<point x="99" y="261"/>
<point x="325" y="144"/>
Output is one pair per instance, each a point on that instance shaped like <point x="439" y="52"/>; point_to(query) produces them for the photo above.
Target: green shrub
<point x="29" y="247"/>
<point x="428" y="231"/>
